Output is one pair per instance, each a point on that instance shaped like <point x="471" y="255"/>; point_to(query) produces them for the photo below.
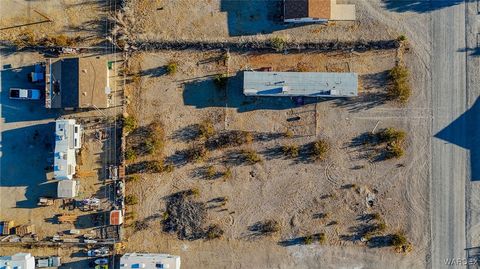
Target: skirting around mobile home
<point x="307" y="84"/>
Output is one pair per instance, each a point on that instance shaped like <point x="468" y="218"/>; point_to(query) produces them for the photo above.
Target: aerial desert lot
<point x="222" y="179"/>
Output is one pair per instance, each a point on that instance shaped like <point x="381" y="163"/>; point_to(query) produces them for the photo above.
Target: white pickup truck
<point x="24" y="94"/>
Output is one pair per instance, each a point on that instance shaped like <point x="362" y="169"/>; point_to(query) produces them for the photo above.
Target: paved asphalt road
<point x="449" y="161"/>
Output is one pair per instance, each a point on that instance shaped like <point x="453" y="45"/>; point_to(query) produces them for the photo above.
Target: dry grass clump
<point x="278" y="43"/>
<point x="266" y="227"/>
<point x="395" y="140"/>
<point x="291" y="151"/>
<point x="206" y="129"/>
<point x="149" y="167"/>
<point x="130" y="155"/>
<point x="229" y="139"/>
<point x="250" y="156"/>
<point x="320" y="149"/>
<point x="129" y="124"/>
<point x="227" y="174"/>
<point x="131" y="199"/>
<point x="400" y="242"/>
<point x="214" y="232"/>
<point x="196" y="153"/>
<point x="400" y="89"/>
<point x="28" y="39"/>
<point x="210" y="172"/>
<point x="310" y="239"/>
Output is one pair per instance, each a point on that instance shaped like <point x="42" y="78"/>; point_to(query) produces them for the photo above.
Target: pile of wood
<point x="25" y="229"/>
<point x="6" y="227"/>
<point x="67" y="218"/>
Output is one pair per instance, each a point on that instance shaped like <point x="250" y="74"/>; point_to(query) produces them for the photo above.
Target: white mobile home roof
<point x="308" y="84"/>
<point x="19" y="260"/>
<point x="65" y="145"/>
<point x="149" y="261"/>
<point x="67" y="188"/>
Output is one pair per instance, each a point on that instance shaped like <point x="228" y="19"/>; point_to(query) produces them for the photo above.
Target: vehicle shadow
<point x="465" y="132"/>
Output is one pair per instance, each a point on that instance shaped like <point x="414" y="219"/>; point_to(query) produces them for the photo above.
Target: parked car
<point x="24" y="94"/>
<point x="99" y="252"/>
<point x="103" y="261"/>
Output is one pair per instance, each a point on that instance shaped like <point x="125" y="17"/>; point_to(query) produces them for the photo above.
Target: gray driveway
<point x="449" y="161"/>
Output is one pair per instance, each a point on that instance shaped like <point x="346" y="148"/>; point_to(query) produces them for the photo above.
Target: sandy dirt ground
<point x="86" y="19"/>
<point x="291" y="191"/>
<point x="209" y="20"/>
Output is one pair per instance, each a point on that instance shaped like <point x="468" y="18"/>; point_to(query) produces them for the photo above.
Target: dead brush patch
<point x="229" y="139"/>
<point x="146" y="140"/>
<point x="188" y="218"/>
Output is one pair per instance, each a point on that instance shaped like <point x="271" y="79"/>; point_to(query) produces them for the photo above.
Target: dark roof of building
<point x="294" y="9"/>
<point x="69" y="82"/>
<point x="78" y="83"/>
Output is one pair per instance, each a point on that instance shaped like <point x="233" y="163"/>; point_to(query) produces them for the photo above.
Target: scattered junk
<point x="99" y="252"/>
<point x="90" y="235"/>
<point x="66" y="218"/>
<point x="101" y="135"/>
<point x="26" y="229"/>
<point x="116" y="217"/>
<point x="11" y="238"/>
<point x="74" y="231"/>
<point x="113" y="172"/>
<point x="89" y="204"/>
<point x="45" y="201"/>
<point x="38" y="75"/>
<point x="44" y="262"/>
<point x="6" y="227"/>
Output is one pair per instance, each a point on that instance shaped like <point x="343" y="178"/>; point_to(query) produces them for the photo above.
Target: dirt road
<point x="449" y="161"/>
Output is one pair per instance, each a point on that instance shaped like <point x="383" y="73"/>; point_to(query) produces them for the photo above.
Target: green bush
<point x="390" y="135"/>
<point x="288" y="134"/>
<point x="291" y="150"/>
<point x="394" y="150"/>
<point x="307" y="240"/>
<point x="196" y="153"/>
<point x="131" y="199"/>
<point x="399" y="239"/>
<point x="206" y="129"/>
<point x="211" y="172"/>
<point x="277" y="43"/>
<point x="400" y="89"/>
<point x="171" y="68"/>
<point x="130" y="155"/>
<point x="221" y="80"/>
<point x="395" y="140"/>
<point x="129" y="124"/>
<point x="132" y="178"/>
<point x="402" y="38"/>
<point x="214" y="231"/>
<point x="228" y="173"/>
<point x="320" y="149"/>
<point x="250" y="156"/>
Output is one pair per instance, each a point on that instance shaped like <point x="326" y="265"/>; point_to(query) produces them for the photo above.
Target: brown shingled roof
<point x="307" y="8"/>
